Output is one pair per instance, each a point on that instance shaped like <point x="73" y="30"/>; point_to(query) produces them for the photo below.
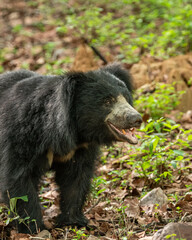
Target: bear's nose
<point x="134" y="119"/>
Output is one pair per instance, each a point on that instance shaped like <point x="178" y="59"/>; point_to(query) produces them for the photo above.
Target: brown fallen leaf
<point x="19" y="236"/>
<point x="132" y="207"/>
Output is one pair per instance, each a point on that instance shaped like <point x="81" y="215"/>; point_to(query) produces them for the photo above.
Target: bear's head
<point x="103" y="106"/>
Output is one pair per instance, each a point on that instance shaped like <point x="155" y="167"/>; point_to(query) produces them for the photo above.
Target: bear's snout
<point x="124" y="115"/>
<point x="133" y="119"/>
<point x="122" y="121"/>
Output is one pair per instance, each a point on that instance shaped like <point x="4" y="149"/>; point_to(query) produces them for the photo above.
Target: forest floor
<point x="124" y="174"/>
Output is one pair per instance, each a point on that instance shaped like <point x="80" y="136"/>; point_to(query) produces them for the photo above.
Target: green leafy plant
<point x="164" y="99"/>
<point x="159" y="27"/>
<point x="97" y="186"/>
<point x="117" y="175"/>
<point x="156" y="157"/>
<point x="80" y="234"/>
<point x="12" y="214"/>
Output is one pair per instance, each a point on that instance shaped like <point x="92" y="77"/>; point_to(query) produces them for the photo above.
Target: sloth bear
<point x="59" y="123"/>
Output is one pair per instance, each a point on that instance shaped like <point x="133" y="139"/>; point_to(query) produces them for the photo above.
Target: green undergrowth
<point x="130" y="28"/>
<point x="163" y="99"/>
<point x="163" y="155"/>
<point x="159" y="27"/>
<point x="9" y="214"/>
<point x="164" y="149"/>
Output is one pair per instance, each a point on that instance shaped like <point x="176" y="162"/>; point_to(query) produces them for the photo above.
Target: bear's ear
<point x="118" y="71"/>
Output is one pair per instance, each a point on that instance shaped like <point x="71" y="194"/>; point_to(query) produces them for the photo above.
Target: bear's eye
<point x="109" y="100"/>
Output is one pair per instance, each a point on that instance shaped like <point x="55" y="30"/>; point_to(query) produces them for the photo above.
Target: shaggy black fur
<point x="65" y="114"/>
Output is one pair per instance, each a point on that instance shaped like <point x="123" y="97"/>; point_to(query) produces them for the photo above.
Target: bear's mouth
<point x="123" y="135"/>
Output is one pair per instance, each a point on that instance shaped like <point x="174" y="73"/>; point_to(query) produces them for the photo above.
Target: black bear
<point x="59" y="123"/>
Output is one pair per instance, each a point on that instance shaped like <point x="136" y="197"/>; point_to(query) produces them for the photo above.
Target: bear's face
<point x="103" y="109"/>
<point x="122" y="120"/>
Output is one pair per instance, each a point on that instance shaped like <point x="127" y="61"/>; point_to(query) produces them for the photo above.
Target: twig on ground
<point x="88" y="210"/>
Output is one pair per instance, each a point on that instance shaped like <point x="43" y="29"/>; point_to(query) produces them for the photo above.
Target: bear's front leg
<point x="74" y="178"/>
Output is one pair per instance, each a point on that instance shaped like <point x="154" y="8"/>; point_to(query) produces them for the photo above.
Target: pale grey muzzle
<point x="123" y="115"/>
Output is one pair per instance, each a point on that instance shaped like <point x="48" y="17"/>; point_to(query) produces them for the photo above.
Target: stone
<point x="175" y="230"/>
<point x="156" y="196"/>
<point x="44" y="235"/>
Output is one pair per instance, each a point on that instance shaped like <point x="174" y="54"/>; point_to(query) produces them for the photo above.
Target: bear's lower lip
<point x="123" y="135"/>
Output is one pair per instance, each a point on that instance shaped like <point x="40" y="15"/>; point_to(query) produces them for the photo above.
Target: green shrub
<point x="164" y="99"/>
<point x="157" y="157"/>
<point x="159" y="27"/>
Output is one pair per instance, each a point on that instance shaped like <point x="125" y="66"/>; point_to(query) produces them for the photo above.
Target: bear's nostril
<point x="139" y="120"/>
<point x="135" y="120"/>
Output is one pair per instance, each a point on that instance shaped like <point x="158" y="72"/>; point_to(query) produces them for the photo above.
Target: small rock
<point x="44" y="235"/>
<point x="91" y="237"/>
<point x="58" y="53"/>
<point x="156" y="196"/>
<point x="175" y="230"/>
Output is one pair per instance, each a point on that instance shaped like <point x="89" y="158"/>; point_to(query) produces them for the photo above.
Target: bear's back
<point x="9" y="79"/>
